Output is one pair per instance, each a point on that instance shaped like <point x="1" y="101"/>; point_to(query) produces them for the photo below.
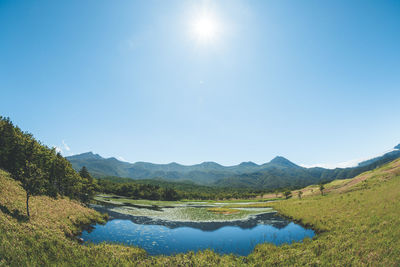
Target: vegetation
<point x="193" y="211"/>
<point x="223" y="210"/>
<point x="249" y="205"/>
<point x="357" y="219"/>
<point x="321" y="188"/>
<point x="287" y="194"/>
<point x="279" y="173"/>
<point x="357" y="223"/>
<point x="164" y="190"/>
<point x="40" y="169"/>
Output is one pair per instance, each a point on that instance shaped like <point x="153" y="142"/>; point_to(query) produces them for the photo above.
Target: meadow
<point x="357" y="221"/>
<point x="193" y="211"/>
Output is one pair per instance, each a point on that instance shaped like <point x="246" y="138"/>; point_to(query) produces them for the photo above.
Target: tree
<point x="300" y="194"/>
<point x="59" y="176"/>
<point x="40" y="168"/>
<point x="32" y="181"/>
<point x="321" y="188"/>
<point x="89" y="185"/>
<point x="287" y="194"/>
<point x="84" y="173"/>
<point x="170" y="194"/>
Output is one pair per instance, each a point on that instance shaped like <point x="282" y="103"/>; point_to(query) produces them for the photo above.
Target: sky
<point x="317" y="82"/>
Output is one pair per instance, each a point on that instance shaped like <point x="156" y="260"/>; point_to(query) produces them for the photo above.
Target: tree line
<point x="40" y="169"/>
<point x="159" y="189"/>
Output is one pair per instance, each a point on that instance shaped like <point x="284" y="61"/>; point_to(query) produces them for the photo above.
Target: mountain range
<point x="278" y="173"/>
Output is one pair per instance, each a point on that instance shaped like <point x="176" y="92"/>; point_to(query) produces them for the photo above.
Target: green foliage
<point x="89" y="185"/>
<point x="279" y="173"/>
<point x="84" y="173"/>
<point x="158" y="189"/>
<point x="32" y="180"/>
<point x="321" y="188"/>
<point x="357" y="228"/>
<point x="300" y="194"/>
<point x="40" y="169"/>
<point x="287" y="194"/>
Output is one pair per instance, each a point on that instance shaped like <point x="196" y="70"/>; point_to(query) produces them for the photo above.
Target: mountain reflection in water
<point x="166" y="237"/>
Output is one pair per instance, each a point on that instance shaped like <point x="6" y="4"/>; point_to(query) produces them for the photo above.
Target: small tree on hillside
<point x="32" y="180"/>
<point x="321" y="188"/>
<point x="300" y="194"/>
<point x="288" y="194"/>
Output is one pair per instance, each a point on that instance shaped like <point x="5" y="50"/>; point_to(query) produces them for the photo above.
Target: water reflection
<point x="171" y="237"/>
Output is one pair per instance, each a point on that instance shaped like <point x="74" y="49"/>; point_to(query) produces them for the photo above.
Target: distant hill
<point x="392" y="155"/>
<point x="278" y="173"/>
<point x="203" y="173"/>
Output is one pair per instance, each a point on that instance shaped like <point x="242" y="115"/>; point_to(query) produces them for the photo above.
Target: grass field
<point x="358" y="223"/>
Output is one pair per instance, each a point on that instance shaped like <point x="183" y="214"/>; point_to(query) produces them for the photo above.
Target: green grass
<point x="357" y="226"/>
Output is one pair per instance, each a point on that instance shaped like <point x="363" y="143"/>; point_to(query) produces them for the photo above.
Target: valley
<point x="357" y="224"/>
<point x="279" y="173"/>
<point x="53" y="215"/>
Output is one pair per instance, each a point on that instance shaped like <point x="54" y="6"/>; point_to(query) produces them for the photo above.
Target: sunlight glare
<point x="205" y="28"/>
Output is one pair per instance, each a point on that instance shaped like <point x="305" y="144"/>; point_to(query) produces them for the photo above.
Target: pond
<point x="167" y="237"/>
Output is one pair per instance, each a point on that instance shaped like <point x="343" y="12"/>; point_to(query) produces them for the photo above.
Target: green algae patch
<point x="224" y="211"/>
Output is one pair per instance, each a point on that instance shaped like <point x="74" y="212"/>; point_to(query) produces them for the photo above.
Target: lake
<point x="167" y="237"/>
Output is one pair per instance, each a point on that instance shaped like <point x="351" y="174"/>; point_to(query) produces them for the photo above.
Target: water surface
<point x="171" y="237"/>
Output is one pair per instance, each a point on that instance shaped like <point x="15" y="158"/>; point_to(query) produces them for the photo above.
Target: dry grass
<point x="358" y="224"/>
<point x="225" y="211"/>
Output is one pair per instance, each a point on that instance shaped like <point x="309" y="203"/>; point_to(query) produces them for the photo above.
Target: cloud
<point x="65" y="146"/>
<point x="345" y="164"/>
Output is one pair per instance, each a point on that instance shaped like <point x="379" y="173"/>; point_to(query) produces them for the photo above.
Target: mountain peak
<point x="174" y="164"/>
<point x="209" y="164"/>
<point x="87" y="155"/>
<point x="282" y="162"/>
<point x="248" y="164"/>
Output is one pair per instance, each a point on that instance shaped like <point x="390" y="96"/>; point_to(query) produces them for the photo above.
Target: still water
<point x="169" y="237"/>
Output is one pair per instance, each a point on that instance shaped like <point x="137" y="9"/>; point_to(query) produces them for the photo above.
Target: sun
<point x="205" y="28"/>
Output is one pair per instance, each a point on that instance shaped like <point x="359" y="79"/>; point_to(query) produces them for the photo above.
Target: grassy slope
<point x="359" y="220"/>
<point x="44" y="239"/>
<point x="359" y="224"/>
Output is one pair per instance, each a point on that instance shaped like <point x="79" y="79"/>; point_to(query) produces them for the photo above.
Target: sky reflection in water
<point x="163" y="237"/>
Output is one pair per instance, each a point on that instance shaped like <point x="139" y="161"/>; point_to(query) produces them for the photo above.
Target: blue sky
<point x="314" y="81"/>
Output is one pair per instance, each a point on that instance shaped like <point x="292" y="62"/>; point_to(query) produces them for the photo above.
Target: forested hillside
<point x="158" y="189"/>
<point x="40" y="169"/>
<point x="279" y="173"/>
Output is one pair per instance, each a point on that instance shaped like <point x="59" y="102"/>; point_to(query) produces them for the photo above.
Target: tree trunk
<point x="27" y="204"/>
